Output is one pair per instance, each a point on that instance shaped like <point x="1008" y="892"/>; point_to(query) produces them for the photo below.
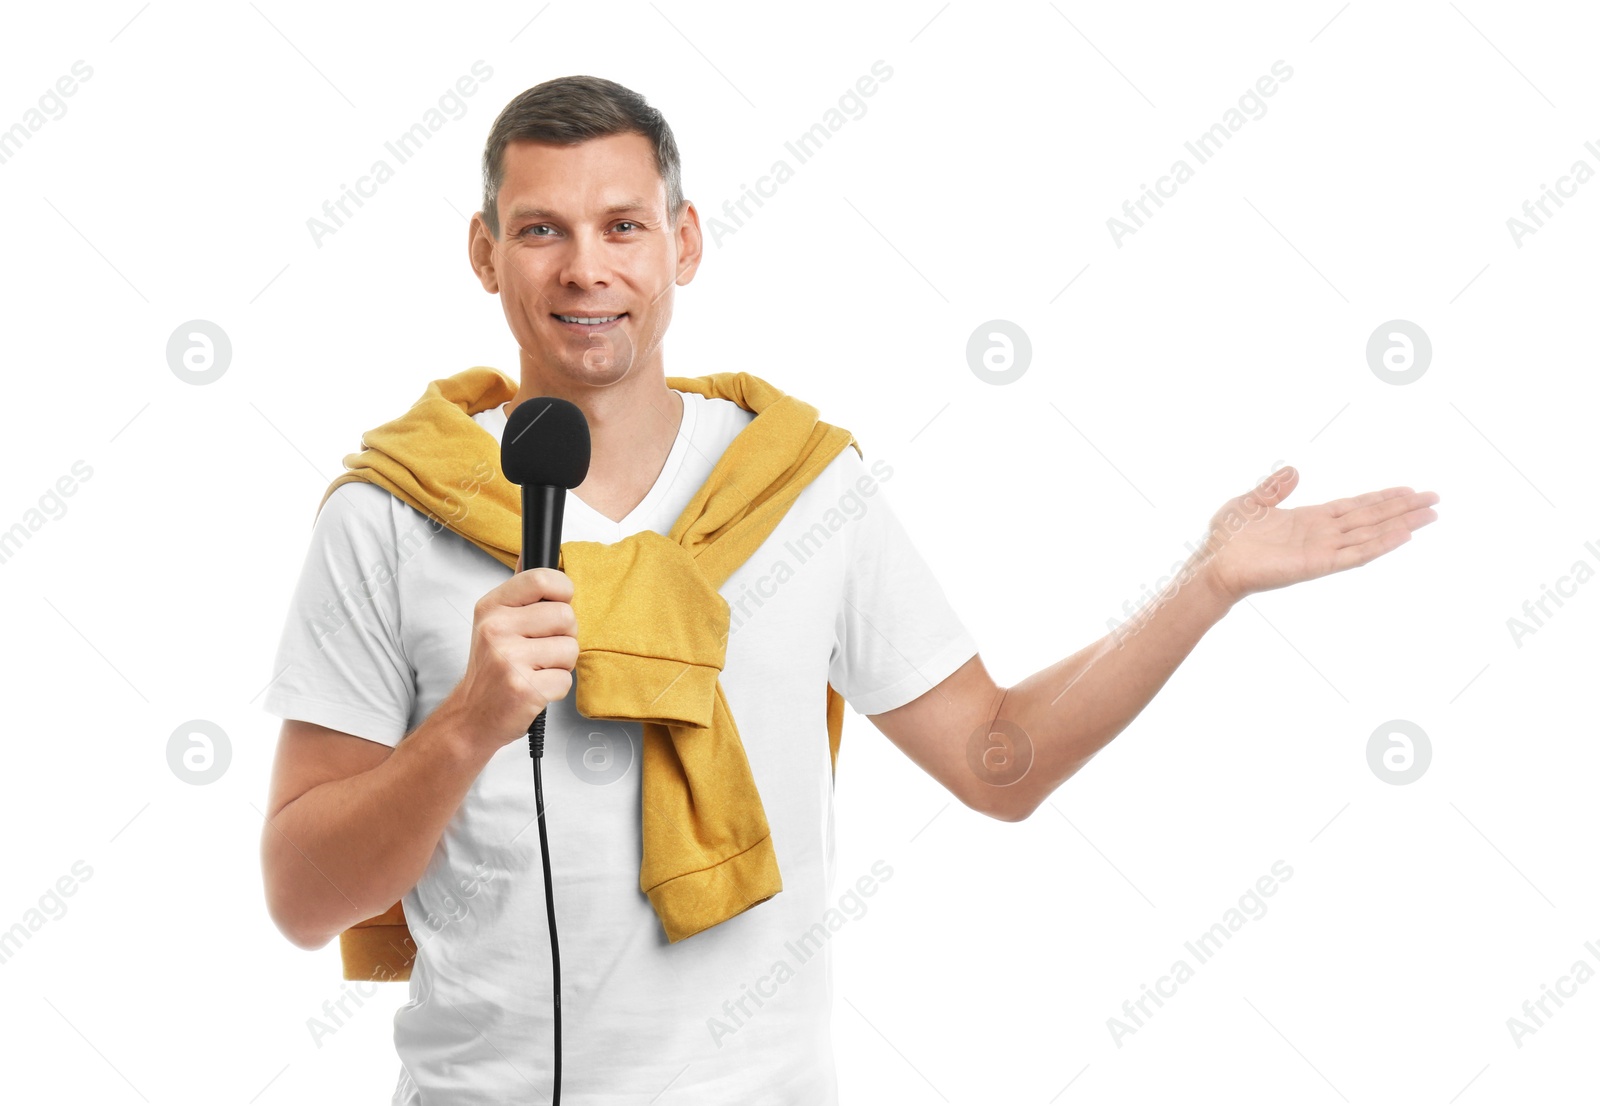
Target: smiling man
<point x="400" y="773"/>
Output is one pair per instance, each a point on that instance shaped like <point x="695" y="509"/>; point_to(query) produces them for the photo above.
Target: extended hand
<point x="1256" y="546"/>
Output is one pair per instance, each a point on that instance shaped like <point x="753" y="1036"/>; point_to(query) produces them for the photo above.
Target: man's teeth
<point x="589" y="321"/>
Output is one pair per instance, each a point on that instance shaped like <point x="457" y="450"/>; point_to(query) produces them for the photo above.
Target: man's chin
<point x="608" y="353"/>
<point x="592" y="371"/>
<point x="603" y="376"/>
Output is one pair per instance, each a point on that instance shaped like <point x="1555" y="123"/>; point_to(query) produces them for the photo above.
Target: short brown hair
<point x="569" y="110"/>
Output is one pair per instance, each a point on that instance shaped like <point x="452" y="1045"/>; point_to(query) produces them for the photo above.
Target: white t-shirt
<point x="378" y="633"/>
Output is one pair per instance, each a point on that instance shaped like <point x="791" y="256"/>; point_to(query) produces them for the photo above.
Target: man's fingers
<point x="1340" y="507"/>
<point x="1385" y="509"/>
<point x="536" y="584"/>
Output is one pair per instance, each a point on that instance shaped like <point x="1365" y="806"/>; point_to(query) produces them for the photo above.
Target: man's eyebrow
<point x="623" y="207"/>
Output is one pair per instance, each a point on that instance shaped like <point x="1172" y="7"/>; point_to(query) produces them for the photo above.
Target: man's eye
<point x="626" y="223"/>
<point x="536" y="226"/>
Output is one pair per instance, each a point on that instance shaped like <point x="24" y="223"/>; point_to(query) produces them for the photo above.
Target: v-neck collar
<point x="635" y="519"/>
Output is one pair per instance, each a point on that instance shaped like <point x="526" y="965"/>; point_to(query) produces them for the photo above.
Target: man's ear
<point x="481" y="253"/>
<point x="691" y="243"/>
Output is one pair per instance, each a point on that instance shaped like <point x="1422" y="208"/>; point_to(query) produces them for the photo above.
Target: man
<point x="400" y="773"/>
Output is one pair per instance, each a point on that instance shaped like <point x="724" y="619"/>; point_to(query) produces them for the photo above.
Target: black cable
<point x="536" y="751"/>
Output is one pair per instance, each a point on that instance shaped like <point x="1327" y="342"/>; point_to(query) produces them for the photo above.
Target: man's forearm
<point x="348" y="849"/>
<point x="1071" y="710"/>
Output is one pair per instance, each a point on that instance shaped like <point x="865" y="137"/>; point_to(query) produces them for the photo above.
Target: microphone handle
<point x="542" y="505"/>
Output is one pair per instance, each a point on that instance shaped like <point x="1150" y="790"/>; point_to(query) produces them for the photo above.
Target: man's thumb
<point x="1276" y="487"/>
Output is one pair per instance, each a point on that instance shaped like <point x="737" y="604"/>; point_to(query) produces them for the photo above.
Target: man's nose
<point x="585" y="264"/>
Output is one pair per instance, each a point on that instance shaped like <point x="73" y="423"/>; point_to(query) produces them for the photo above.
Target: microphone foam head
<point x="546" y="442"/>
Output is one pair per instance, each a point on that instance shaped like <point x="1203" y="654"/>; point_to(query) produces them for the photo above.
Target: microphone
<point x="545" y="449"/>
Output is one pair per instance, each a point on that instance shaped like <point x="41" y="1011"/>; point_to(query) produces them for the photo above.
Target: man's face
<point x="584" y="234"/>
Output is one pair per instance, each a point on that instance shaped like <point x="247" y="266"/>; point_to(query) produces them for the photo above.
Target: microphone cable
<point x="545" y="465"/>
<point x="536" y="752"/>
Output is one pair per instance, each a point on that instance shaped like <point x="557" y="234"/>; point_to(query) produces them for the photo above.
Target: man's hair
<point x="569" y="110"/>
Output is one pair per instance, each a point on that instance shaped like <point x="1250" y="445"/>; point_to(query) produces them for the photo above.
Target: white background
<point x="1227" y="334"/>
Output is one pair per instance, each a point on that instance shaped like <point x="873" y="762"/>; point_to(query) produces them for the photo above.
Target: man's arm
<point x="1003" y="751"/>
<point x="352" y="824"/>
<point x="1058" y="718"/>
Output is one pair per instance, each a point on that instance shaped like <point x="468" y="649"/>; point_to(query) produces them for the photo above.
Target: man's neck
<point x="632" y="427"/>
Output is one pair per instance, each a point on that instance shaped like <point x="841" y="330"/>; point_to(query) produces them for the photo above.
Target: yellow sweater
<point x="652" y="631"/>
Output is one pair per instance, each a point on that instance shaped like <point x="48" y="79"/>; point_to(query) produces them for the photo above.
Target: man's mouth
<point x="588" y="320"/>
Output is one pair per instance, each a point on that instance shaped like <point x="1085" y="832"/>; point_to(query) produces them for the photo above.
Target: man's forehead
<point x="533" y="208"/>
<point x="537" y="184"/>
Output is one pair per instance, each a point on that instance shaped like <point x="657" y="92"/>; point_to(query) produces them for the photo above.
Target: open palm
<point x="1254" y="545"/>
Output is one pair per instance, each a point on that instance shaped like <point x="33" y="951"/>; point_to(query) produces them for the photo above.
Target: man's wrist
<point x="451" y="734"/>
<point x="1209" y="590"/>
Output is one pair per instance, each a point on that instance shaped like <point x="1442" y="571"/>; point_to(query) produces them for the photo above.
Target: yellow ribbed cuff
<point x="694" y="901"/>
<point x="645" y="689"/>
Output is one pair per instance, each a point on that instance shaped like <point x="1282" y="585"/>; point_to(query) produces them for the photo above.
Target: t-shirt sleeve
<point x="340" y="662"/>
<point x="896" y="635"/>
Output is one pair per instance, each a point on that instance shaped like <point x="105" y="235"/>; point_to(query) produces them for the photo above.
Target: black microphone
<point x="545" y="449"/>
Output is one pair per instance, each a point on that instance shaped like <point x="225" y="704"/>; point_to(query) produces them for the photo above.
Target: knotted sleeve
<point x="652" y="640"/>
